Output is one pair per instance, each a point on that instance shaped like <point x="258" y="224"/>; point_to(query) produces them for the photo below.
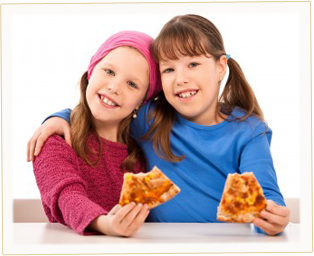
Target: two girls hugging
<point x="146" y="102"/>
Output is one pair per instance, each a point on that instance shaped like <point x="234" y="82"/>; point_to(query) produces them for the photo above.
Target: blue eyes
<point x="191" y="65"/>
<point x="130" y="83"/>
<point x="133" y="85"/>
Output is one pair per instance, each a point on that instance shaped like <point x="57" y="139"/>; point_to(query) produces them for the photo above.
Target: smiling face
<point x="191" y="86"/>
<point x="117" y="86"/>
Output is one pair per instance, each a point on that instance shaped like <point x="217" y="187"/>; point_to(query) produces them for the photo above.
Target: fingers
<point x="139" y="226"/>
<point x="35" y="144"/>
<point x="269" y="228"/>
<point x="54" y="125"/>
<point x="31" y="145"/>
<point x="276" y="209"/>
<point x="40" y="141"/>
<point x="114" y="210"/>
<point x="274" y="219"/>
<point x="67" y="136"/>
<point x="139" y="220"/>
<point x="29" y="152"/>
<point x="129" y="218"/>
<point x="123" y="212"/>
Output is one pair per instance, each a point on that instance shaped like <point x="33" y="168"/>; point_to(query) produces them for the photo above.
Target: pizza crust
<point x="152" y="188"/>
<point x="242" y="199"/>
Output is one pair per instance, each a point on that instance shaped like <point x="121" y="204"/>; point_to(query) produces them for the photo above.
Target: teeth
<point x="107" y="101"/>
<point x="187" y="94"/>
<point x="111" y="103"/>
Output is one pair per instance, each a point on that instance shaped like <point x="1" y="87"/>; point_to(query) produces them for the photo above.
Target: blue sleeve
<point x="256" y="157"/>
<point x="140" y="125"/>
<point x="65" y="114"/>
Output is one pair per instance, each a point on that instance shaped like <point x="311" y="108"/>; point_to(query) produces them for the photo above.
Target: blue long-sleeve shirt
<point x="211" y="153"/>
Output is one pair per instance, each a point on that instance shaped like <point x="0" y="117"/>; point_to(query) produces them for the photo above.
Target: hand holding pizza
<point x="243" y="201"/>
<point x="273" y="219"/>
<point x="121" y="221"/>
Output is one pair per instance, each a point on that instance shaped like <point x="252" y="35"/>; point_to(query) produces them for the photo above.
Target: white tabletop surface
<point x="179" y="237"/>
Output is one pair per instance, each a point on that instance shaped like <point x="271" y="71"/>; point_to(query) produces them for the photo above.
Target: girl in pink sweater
<point x="80" y="185"/>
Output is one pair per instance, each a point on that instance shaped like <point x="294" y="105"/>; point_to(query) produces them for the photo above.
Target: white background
<point x="51" y="45"/>
<point x="46" y="48"/>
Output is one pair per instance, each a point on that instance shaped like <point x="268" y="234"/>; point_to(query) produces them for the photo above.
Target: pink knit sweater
<point x="74" y="193"/>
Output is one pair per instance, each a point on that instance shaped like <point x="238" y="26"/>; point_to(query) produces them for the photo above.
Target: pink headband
<point x="142" y="43"/>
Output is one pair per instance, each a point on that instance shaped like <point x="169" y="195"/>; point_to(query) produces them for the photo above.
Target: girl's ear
<point x="222" y="67"/>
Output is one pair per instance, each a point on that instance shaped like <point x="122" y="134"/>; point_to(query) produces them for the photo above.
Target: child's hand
<point x="122" y="221"/>
<point x="54" y="125"/>
<point x="273" y="219"/>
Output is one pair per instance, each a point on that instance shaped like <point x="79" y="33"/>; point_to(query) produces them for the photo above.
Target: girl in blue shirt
<point x="194" y="136"/>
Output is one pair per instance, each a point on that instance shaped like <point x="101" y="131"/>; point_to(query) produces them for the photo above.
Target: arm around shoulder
<point x="56" y="124"/>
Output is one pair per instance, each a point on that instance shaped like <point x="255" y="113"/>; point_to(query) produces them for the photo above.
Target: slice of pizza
<point x="242" y="199"/>
<point x="152" y="188"/>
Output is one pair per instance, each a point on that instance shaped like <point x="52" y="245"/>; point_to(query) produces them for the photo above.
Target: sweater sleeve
<point x="64" y="114"/>
<point x="62" y="189"/>
<point x="256" y="157"/>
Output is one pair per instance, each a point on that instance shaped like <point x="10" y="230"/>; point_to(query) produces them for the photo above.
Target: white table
<point x="162" y="237"/>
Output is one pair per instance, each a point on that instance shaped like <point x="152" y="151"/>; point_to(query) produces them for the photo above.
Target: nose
<point x="114" y="87"/>
<point x="181" y="77"/>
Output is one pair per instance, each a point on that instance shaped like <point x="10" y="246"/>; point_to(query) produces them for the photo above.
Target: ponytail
<point x="238" y="93"/>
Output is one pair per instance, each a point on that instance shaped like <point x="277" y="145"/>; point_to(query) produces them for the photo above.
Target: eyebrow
<point x="108" y="64"/>
<point x="164" y="62"/>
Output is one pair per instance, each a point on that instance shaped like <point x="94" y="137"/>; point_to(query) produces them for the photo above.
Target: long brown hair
<point x="82" y="126"/>
<point x="193" y="35"/>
